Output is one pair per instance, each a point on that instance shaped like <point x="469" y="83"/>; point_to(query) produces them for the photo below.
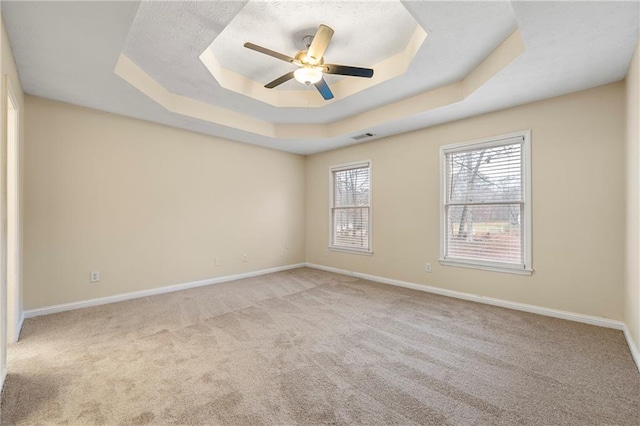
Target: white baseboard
<point x="571" y="316"/>
<point x="151" y="292"/>
<point x="14" y="335"/>
<point x="19" y="327"/>
<point x="3" y="377"/>
<point x="635" y="353"/>
<point x="587" y="319"/>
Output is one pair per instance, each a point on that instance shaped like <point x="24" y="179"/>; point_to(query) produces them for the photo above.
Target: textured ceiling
<point x="365" y="34"/>
<point x="361" y="38"/>
<point x="67" y="51"/>
<point x="167" y="38"/>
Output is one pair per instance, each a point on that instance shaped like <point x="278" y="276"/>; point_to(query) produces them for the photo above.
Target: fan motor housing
<point x="302" y="57"/>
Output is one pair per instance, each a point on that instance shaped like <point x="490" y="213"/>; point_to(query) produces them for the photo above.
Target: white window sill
<point x="486" y="266"/>
<point x="352" y="251"/>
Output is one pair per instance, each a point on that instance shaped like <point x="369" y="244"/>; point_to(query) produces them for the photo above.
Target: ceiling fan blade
<point x="346" y="70"/>
<point x="320" y="42"/>
<point x="324" y="90"/>
<point x="269" y="52"/>
<point x="278" y="81"/>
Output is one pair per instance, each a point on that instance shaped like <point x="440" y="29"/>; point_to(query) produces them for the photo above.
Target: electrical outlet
<point x="217" y="261"/>
<point x="94" y="276"/>
<point x="427" y="267"/>
<point x="245" y="258"/>
<point x="326" y="252"/>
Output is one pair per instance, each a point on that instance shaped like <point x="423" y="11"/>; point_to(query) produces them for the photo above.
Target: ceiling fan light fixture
<point x="306" y="75"/>
<point x="311" y="63"/>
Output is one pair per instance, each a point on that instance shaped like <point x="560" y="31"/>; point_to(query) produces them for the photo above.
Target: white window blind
<point x="351" y="208"/>
<point x="485" y="203"/>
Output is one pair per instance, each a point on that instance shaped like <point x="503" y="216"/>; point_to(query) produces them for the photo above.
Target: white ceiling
<point x="361" y="35"/>
<point x="67" y="51"/>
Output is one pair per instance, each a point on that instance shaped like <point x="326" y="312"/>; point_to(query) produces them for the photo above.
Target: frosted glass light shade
<point x="307" y="75"/>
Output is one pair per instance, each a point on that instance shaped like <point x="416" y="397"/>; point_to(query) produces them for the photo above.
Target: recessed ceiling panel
<point x="167" y="38"/>
<point x="366" y="33"/>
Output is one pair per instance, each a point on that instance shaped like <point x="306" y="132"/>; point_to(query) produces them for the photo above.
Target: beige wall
<point x="179" y="199"/>
<point x="632" y="281"/>
<point x="148" y="205"/>
<point x="578" y="204"/>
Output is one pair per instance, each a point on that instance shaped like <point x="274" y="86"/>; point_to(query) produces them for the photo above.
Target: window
<point x="486" y="209"/>
<point x="351" y="208"/>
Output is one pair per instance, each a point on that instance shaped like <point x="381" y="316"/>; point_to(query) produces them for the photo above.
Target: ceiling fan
<point x="310" y="62"/>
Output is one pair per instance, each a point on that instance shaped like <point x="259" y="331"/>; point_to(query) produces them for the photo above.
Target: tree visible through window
<point x="350" y="210"/>
<point x="485" y="202"/>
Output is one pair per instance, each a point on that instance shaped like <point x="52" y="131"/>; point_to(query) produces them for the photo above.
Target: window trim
<point x="341" y="167"/>
<point x="495" y="266"/>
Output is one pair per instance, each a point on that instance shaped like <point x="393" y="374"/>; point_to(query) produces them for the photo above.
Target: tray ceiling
<point x="144" y="60"/>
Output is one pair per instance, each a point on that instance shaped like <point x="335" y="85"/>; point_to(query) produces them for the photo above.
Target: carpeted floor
<point x="310" y="347"/>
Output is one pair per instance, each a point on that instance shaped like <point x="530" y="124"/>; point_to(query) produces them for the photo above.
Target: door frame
<point x="12" y="181"/>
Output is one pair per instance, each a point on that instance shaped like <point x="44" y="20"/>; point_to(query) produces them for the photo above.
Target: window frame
<point x="496" y="266"/>
<point x="342" y="167"/>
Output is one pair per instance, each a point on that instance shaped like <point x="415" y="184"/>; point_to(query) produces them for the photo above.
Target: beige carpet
<point x="310" y="347"/>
